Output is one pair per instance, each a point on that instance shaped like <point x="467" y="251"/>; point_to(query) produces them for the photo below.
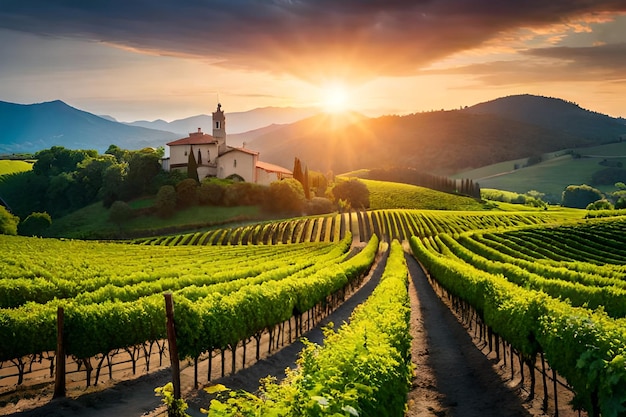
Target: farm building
<point x="214" y="158"/>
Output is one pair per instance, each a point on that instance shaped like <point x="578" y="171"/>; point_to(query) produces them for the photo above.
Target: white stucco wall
<point x="245" y="165"/>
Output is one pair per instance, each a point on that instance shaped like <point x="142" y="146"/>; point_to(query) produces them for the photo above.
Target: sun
<point x="335" y="98"/>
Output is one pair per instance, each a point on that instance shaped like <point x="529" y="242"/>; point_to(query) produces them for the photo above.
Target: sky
<point x="158" y="59"/>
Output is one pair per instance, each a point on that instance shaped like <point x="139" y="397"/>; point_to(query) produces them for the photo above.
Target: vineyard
<point x="548" y="290"/>
<point x="387" y="224"/>
<point x="558" y="292"/>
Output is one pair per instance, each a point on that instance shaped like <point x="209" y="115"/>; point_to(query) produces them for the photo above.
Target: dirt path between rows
<point x="453" y="377"/>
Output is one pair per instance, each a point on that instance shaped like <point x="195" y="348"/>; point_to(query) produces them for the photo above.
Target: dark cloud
<point x="605" y="63"/>
<point x="307" y="38"/>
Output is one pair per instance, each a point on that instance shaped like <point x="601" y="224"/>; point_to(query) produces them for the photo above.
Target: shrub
<point x="319" y="205"/>
<point x="244" y="194"/>
<point x="580" y="196"/>
<point x="211" y="193"/>
<point x="187" y="193"/>
<point x="603" y="204"/>
<point x="353" y="191"/>
<point x="120" y="212"/>
<point x="35" y="224"/>
<point x="286" y="196"/>
<point x="8" y="222"/>
<point x="165" y="203"/>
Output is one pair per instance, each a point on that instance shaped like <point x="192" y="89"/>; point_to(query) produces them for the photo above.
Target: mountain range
<point x="441" y="142"/>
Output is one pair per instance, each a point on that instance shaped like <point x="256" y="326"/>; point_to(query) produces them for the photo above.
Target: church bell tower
<point x="219" y="128"/>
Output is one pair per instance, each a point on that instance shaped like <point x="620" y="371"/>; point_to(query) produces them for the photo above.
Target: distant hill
<point x="236" y="122"/>
<point x="443" y="142"/>
<point x="555" y="114"/>
<point x="33" y="127"/>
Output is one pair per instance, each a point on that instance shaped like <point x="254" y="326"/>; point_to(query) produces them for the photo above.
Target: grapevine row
<point x="586" y="347"/>
<point x="363" y="369"/>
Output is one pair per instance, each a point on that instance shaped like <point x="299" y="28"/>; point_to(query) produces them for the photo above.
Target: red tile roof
<point x="272" y="168"/>
<point x="196" y="138"/>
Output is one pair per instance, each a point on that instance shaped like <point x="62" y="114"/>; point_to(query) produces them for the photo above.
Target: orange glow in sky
<point x="377" y="57"/>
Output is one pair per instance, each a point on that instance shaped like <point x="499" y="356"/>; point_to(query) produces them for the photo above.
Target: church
<point x="215" y="158"/>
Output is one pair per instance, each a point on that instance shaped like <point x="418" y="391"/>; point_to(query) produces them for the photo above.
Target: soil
<point x="455" y="375"/>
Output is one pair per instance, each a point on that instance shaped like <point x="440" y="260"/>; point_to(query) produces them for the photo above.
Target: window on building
<point x="234" y="163"/>
<point x="217" y="124"/>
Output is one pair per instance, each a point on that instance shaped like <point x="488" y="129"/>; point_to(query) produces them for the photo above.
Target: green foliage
<point x="8" y="222"/>
<point x="608" y="176"/>
<point x="389" y="195"/>
<point x="580" y="196"/>
<point x="143" y="167"/>
<point x="532" y="198"/>
<point x="516" y="282"/>
<point x="187" y="192"/>
<point x="319" y="205"/>
<point x="35" y="224"/>
<point x="57" y="160"/>
<point x="165" y="203"/>
<point x="363" y="369"/>
<point x="175" y="406"/>
<point x="120" y="212"/>
<point x="285" y="196"/>
<point x="354" y="191"/>
<point x="244" y="194"/>
<point x="192" y="167"/>
<point x="211" y="192"/>
<point x="603" y="204"/>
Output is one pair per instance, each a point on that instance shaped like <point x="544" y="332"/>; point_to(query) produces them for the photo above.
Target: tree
<point x="192" y="167"/>
<point x="297" y="170"/>
<point x="305" y="184"/>
<point x="285" y="196"/>
<point x="211" y="192"/>
<point x="8" y="222"/>
<point x="120" y="212"/>
<point x="354" y="192"/>
<point x="580" y="196"/>
<point x="143" y="166"/>
<point x="244" y="194"/>
<point x="165" y="203"/>
<point x="58" y="159"/>
<point x="603" y="204"/>
<point x="112" y="183"/>
<point x="319" y="205"/>
<point x="34" y="224"/>
<point x="187" y="193"/>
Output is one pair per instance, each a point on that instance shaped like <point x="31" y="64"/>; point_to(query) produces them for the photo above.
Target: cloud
<point x="310" y="39"/>
<point x="605" y="63"/>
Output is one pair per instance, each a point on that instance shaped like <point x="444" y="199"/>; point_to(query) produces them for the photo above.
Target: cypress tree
<point x="305" y="184"/>
<point x="192" y="167"/>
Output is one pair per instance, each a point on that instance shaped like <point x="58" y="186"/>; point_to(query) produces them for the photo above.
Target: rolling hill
<point x="554" y="114"/>
<point x="30" y="128"/>
<point x="443" y="142"/>
<point x="237" y="122"/>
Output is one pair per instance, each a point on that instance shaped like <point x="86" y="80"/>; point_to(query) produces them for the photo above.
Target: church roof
<point x="271" y="167"/>
<point x="195" y="138"/>
<point x="244" y="150"/>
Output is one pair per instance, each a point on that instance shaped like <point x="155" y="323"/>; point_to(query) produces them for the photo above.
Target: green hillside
<point x="553" y="175"/>
<point x="9" y="166"/>
<point x="389" y="195"/>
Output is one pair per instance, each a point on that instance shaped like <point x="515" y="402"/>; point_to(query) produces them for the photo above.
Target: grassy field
<point x="388" y="195"/>
<point x="551" y="176"/>
<point x="10" y="166"/>
<point x="93" y="221"/>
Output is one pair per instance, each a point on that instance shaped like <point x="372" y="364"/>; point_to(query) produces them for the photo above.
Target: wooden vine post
<point x="59" y="379"/>
<point x="171" y="337"/>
